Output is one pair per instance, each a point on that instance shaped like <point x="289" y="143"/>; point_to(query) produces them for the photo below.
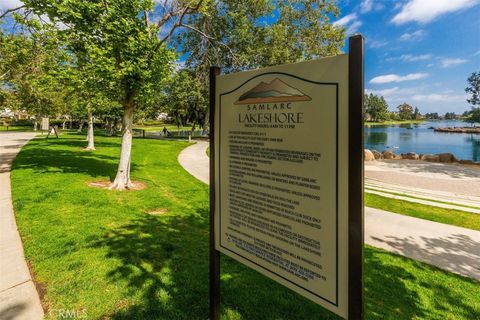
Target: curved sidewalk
<point x="448" y="247"/>
<point x="18" y="296"/>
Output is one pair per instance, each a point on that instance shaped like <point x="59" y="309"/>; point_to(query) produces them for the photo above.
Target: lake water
<point x="422" y="140"/>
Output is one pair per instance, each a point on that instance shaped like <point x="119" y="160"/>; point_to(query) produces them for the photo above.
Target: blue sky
<point x="417" y="51"/>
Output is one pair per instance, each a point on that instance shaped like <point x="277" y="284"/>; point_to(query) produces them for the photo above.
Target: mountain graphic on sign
<point x="274" y="91"/>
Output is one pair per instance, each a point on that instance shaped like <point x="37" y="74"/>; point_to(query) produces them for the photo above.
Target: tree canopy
<point x="124" y="52"/>
<point x="376" y="107"/>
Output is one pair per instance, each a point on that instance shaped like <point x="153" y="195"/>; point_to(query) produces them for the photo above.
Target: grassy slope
<point x="449" y="216"/>
<point x="98" y="250"/>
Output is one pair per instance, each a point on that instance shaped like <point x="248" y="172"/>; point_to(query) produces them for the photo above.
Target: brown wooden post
<point x="356" y="49"/>
<point x="214" y="254"/>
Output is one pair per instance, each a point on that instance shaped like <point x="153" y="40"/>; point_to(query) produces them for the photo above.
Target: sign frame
<point x="355" y="185"/>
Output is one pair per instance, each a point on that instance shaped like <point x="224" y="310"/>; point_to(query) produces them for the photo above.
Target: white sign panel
<point x="45" y="124"/>
<point x="282" y="175"/>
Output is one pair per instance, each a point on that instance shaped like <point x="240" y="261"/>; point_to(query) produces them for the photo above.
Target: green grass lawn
<point x="100" y="251"/>
<point x="170" y="127"/>
<point x="367" y="189"/>
<point x="449" y="216"/>
<point x="16" y="128"/>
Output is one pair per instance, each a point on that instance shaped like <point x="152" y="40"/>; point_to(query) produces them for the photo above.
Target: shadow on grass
<point x="386" y="295"/>
<point x="164" y="260"/>
<point x="44" y="160"/>
<point x="78" y="142"/>
<point x="393" y="292"/>
<point x="458" y="252"/>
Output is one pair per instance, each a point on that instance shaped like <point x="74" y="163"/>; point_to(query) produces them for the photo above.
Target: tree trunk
<point x="35" y="124"/>
<point x="80" y="126"/>
<point x="64" y="124"/>
<point x="122" y="180"/>
<point x="90" y="136"/>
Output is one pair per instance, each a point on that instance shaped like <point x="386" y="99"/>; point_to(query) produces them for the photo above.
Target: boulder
<point x="447" y="158"/>
<point x="377" y="155"/>
<point x="410" y="156"/>
<point x="368" y="155"/>
<point x="430" y="157"/>
<point x="466" y="162"/>
<point x="388" y="154"/>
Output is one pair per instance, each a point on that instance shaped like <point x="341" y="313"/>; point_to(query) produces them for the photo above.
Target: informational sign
<point x="45" y="124"/>
<point x="282" y="151"/>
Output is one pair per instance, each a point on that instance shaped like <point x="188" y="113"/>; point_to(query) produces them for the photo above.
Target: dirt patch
<point x="157" y="211"/>
<point x="137" y="185"/>
<point x="41" y="288"/>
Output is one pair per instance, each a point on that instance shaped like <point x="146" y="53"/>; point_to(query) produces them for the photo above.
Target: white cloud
<point x="10" y="4"/>
<point x="366" y="6"/>
<point x="424" y="11"/>
<point x="424" y="97"/>
<point x="452" y="62"/>
<point x="354" y="27"/>
<point x="350" y="21"/>
<point x="385" y="92"/>
<point x="439" y="97"/>
<point x="417" y="35"/>
<point x="375" y="44"/>
<point x="412" y="58"/>
<point x="408" y="57"/>
<point x="371" y="5"/>
<point x="346" y="20"/>
<point x="476" y="53"/>
<point x="397" y="78"/>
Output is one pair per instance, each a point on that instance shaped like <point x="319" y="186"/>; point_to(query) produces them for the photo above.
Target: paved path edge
<point x="447" y="247"/>
<point x="19" y="299"/>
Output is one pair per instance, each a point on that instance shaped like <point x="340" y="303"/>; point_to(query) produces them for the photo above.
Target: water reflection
<point x="475" y="141"/>
<point x="420" y="138"/>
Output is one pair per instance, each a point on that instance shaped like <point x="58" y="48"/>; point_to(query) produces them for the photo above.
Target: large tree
<point x="473" y="88"/>
<point x="30" y="64"/>
<point x="260" y="33"/>
<point x="128" y="42"/>
<point x="376" y="107"/>
<point x="405" y="111"/>
<point x="186" y="99"/>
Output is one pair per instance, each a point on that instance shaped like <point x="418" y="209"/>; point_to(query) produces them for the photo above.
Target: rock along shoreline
<point x="370" y="155"/>
<point x="458" y="129"/>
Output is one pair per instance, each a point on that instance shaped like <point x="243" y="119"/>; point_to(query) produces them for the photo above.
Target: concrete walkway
<point x="18" y="296"/>
<point x="196" y="161"/>
<point x="450" y="186"/>
<point x="448" y="247"/>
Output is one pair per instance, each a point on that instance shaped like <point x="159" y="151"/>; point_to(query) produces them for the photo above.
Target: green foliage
<point x="30" y="64"/>
<point x="240" y="37"/>
<point x="405" y="111"/>
<point x="416" y="114"/>
<point x="473" y="116"/>
<point x="450" y="116"/>
<point x="186" y="99"/>
<point x="433" y="116"/>
<point x="376" y="107"/>
<point x="474" y="89"/>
